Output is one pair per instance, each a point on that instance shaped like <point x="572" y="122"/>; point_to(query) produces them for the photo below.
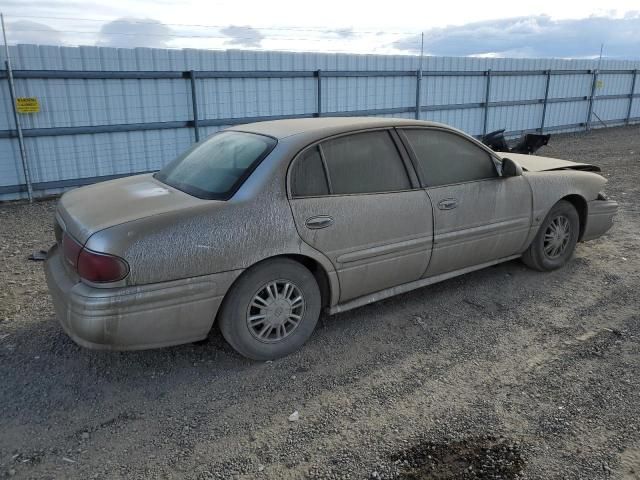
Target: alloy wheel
<point x="557" y="236"/>
<point x="275" y="311"/>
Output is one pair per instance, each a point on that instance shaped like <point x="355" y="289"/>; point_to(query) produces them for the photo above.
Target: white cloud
<point x="200" y="24"/>
<point x="537" y="36"/>
<point x="25" y="31"/>
<point x="243" y="36"/>
<point x="343" y="32"/>
<point x="132" y="32"/>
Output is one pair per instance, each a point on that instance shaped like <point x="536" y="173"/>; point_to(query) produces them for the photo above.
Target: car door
<point x="479" y="216"/>
<point x="353" y="200"/>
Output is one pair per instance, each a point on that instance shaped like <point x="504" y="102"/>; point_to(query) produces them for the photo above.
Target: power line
<point x="169" y="35"/>
<point x="375" y="50"/>
<point x="231" y="39"/>
<point x="337" y="30"/>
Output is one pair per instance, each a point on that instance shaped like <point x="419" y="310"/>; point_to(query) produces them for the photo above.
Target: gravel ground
<point x="502" y="373"/>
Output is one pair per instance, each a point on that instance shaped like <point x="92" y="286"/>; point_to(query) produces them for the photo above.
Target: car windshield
<point x="216" y="167"/>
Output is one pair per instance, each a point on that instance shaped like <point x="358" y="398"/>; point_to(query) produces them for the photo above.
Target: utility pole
<point x="419" y="78"/>
<point x="592" y="97"/>
<point x="600" y="59"/>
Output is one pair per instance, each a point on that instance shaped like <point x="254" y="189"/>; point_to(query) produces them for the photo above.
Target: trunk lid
<point x="90" y="209"/>
<point x="534" y="163"/>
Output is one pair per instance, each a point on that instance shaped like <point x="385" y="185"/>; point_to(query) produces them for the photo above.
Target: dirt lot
<point x="503" y="373"/>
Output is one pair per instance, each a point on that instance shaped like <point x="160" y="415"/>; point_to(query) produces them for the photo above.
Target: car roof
<point x="317" y="128"/>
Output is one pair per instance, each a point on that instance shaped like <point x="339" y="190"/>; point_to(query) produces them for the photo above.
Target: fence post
<point x="544" y="105"/>
<point x="16" y="117"/>
<point x="486" y="101"/>
<point x="318" y="75"/>
<point x="593" y="92"/>
<point x="633" y="88"/>
<point x="194" y="104"/>
<point x="418" y="92"/>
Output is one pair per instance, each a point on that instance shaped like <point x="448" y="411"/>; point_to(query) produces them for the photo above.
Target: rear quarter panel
<point x="215" y="236"/>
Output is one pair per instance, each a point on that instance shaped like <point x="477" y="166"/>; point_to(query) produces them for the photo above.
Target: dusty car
<point x="260" y="227"/>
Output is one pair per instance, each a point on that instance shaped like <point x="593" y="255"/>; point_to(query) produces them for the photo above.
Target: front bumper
<point x="600" y="215"/>
<point x="138" y="317"/>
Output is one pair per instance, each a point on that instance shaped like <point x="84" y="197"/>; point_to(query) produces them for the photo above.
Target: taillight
<point x="93" y="266"/>
<point x="101" y="267"/>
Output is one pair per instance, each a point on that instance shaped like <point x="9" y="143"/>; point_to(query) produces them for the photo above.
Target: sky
<point x="491" y="28"/>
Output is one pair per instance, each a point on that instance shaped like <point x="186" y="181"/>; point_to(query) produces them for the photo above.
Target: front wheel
<point x="556" y="239"/>
<point x="271" y="310"/>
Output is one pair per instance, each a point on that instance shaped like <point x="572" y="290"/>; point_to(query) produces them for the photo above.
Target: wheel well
<point x="580" y="205"/>
<point x="314" y="267"/>
<point x="318" y="272"/>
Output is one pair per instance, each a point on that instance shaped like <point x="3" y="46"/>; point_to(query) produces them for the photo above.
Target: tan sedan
<point x="260" y="227"/>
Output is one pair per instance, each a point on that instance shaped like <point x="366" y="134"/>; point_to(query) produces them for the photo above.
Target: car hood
<point x="534" y="163"/>
<point x="87" y="210"/>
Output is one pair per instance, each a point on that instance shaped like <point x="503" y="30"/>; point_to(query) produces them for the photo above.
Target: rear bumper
<point x="600" y="215"/>
<point x="139" y="317"/>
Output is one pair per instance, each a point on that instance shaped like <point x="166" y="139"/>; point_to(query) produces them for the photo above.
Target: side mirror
<point x="510" y="168"/>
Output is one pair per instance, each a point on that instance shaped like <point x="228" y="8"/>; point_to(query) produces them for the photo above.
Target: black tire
<point x="537" y="255"/>
<point x="239" y="306"/>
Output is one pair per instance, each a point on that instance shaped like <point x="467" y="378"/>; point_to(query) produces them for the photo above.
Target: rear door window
<point x="307" y="176"/>
<point x="366" y="162"/>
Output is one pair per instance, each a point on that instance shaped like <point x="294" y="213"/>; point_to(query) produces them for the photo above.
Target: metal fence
<point x="106" y="113"/>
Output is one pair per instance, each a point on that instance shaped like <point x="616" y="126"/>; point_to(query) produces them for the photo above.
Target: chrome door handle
<point x="320" y="221"/>
<point x="448" y="203"/>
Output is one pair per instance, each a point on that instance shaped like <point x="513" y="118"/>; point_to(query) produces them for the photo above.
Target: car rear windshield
<point x="216" y="167"/>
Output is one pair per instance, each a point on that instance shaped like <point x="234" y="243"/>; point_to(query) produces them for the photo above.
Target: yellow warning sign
<point x="27" y="105"/>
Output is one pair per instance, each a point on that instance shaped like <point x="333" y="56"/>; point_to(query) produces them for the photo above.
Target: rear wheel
<point x="271" y="310"/>
<point x="556" y="239"/>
